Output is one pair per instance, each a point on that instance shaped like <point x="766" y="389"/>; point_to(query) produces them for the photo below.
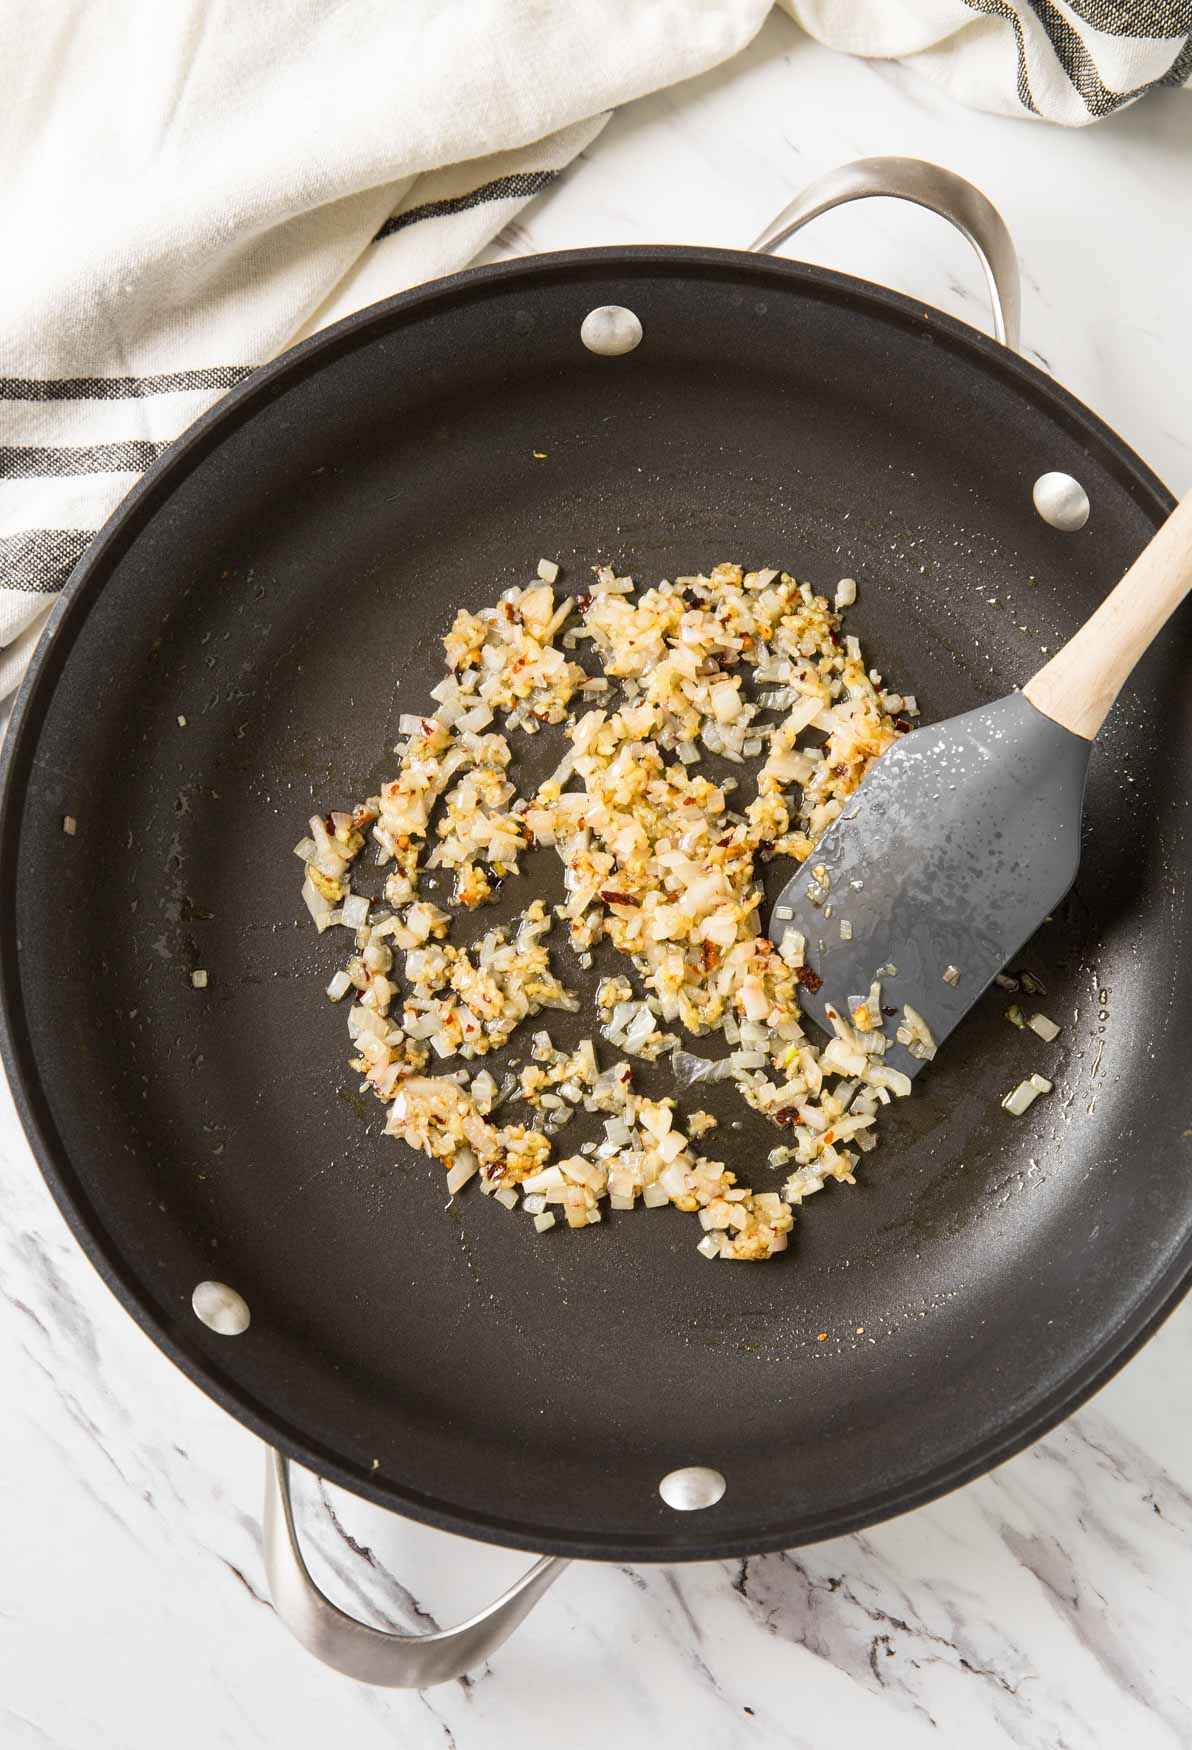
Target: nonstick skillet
<point x="280" y="580"/>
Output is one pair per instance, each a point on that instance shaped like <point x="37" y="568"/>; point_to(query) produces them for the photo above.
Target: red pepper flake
<point x="611" y="898"/>
<point x="840" y="771"/>
<point x="807" y="976"/>
<point x="711" y="955"/>
<point x="786" y="1115"/>
<point x="583" y="603"/>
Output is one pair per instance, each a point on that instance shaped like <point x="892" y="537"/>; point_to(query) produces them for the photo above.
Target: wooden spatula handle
<point x="1080" y="683"/>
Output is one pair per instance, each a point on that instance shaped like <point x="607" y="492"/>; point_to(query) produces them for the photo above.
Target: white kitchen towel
<point x="1067" y="61"/>
<point x="189" y="187"/>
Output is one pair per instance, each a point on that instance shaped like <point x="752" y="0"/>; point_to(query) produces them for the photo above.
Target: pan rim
<point x="701" y="1539"/>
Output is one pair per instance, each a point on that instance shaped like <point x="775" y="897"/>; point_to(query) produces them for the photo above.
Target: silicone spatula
<point x="965" y="834"/>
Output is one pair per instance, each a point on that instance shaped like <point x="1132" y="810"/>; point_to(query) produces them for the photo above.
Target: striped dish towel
<point x="1067" y="61"/>
<point x="192" y="188"/>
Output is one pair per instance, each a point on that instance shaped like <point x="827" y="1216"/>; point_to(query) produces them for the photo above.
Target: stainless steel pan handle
<point x="928" y="185"/>
<point x="373" y="1655"/>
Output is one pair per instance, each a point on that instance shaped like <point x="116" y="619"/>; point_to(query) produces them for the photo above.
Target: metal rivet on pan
<point x="1061" y="501"/>
<point x="688" y="1490"/>
<point x="611" y="330"/>
<point x="221" y="1309"/>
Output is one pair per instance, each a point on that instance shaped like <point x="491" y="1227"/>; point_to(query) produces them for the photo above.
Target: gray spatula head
<point x="961" y="839"/>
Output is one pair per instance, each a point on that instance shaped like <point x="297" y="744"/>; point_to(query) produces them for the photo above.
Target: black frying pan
<point x="282" y="579"/>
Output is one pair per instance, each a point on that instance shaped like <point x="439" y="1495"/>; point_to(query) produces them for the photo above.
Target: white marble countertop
<point x="1045" y="1605"/>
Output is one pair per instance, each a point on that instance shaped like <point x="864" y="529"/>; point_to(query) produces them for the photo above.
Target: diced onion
<point x="316" y="904"/>
<point x="1019" y="1098"/>
<point x="465" y="1167"/>
<point x="915" y="1034"/>
<point x="354" y="911"/>
<point x="660" y="864"/>
<point x="1025" y="1094"/>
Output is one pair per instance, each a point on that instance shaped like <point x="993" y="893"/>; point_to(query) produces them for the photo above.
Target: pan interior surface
<point x="282" y="584"/>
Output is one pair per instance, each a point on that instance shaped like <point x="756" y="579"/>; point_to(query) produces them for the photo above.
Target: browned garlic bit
<point x="749" y="668"/>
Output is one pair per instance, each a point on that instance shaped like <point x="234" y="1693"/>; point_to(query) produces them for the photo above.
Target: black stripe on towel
<point x="1180" y="71"/>
<point x="519" y="186"/>
<point x="121" y="388"/>
<point x="39" y="561"/>
<point x="1073" y="55"/>
<point x="38" y="461"/>
<point x="1150" y="18"/>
